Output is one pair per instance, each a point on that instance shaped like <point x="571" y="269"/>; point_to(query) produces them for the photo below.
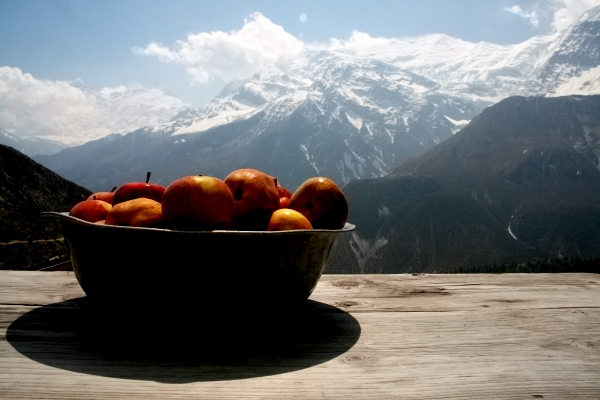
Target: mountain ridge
<point x="348" y="112"/>
<point x="520" y="182"/>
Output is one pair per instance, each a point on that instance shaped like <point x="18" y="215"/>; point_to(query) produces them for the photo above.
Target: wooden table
<point x="507" y="336"/>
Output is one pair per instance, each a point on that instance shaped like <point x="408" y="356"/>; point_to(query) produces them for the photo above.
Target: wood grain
<point x="507" y="336"/>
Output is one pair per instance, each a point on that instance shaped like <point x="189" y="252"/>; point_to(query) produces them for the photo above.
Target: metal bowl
<point x="125" y="265"/>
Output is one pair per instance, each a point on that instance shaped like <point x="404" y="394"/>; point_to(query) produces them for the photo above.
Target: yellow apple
<point x="140" y="212"/>
<point x="286" y="219"/>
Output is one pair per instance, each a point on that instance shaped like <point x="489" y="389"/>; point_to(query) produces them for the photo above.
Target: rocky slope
<point x="26" y="190"/>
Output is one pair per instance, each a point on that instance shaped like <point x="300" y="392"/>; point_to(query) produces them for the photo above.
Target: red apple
<point x="255" y="197"/>
<point x="198" y="203"/>
<point x="134" y="190"/>
<point x="140" y="212"/>
<point x="286" y="219"/>
<point x="322" y="202"/>
<point x="91" y="210"/>
<point x="104" y="196"/>
<point x="284" y="202"/>
<point x="284" y="195"/>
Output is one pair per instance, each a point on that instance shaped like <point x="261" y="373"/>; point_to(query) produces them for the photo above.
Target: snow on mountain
<point x="127" y="109"/>
<point x="29" y="144"/>
<point x="573" y="66"/>
<point x="483" y="71"/>
<point x="587" y="82"/>
<point x="329" y="114"/>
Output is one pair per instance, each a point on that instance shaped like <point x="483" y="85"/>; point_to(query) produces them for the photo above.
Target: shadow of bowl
<point x="182" y="347"/>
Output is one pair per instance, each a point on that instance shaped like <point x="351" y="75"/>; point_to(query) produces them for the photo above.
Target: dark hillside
<point x="27" y="189"/>
<point x="519" y="183"/>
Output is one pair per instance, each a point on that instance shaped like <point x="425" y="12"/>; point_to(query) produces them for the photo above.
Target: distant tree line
<point x="556" y="265"/>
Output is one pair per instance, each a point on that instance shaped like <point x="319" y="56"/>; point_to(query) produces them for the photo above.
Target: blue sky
<point x="108" y="43"/>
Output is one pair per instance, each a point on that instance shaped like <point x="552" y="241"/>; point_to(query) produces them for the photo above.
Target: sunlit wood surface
<point x="507" y="336"/>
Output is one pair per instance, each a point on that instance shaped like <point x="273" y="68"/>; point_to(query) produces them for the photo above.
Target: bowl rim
<point x="348" y="227"/>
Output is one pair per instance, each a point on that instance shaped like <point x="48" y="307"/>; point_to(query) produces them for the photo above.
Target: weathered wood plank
<point x="375" y="293"/>
<point x="492" y="336"/>
<point x="435" y="292"/>
<point x="38" y="288"/>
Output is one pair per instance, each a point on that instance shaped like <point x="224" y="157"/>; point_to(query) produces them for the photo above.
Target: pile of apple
<point x="247" y="199"/>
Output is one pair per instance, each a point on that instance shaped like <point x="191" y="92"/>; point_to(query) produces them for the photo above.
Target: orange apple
<point x="134" y="190"/>
<point x="255" y="197"/>
<point x="286" y="219"/>
<point x="104" y="196"/>
<point x="198" y="203"/>
<point x="322" y="202"/>
<point x="140" y="212"/>
<point x="91" y="210"/>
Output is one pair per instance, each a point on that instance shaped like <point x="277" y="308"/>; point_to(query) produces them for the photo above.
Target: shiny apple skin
<point x="134" y="190"/>
<point x="283" y="192"/>
<point x="140" y="212"/>
<point x="286" y="219"/>
<point x="255" y="197"/>
<point x="91" y="210"/>
<point x="284" y="196"/>
<point x="322" y="202"/>
<point x="104" y="196"/>
<point x="284" y="202"/>
<point x="198" y="202"/>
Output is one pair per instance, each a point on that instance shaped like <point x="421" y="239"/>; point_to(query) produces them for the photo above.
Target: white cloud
<point x="569" y="11"/>
<point x="356" y="39"/>
<point x="531" y="16"/>
<point x="68" y="113"/>
<point x="40" y="107"/>
<point x="118" y="89"/>
<point x="564" y="12"/>
<point x="220" y="55"/>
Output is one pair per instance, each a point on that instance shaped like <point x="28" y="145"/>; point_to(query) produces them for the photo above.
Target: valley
<point x="454" y="155"/>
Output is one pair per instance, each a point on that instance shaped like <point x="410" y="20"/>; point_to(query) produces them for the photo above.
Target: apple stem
<point x="276" y="183"/>
<point x="147" y="176"/>
<point x="113" y="189"/>
<point x="94" y="197"/>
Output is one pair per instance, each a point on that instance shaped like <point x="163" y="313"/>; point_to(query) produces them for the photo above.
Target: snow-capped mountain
<point x="573" y="68"/>
<point x="332" y="114"/>
<point x="353" y="110"/>
<point x="125" y="110"/>
<point x="29" y="144"/>
<point x="479" y="71"/>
